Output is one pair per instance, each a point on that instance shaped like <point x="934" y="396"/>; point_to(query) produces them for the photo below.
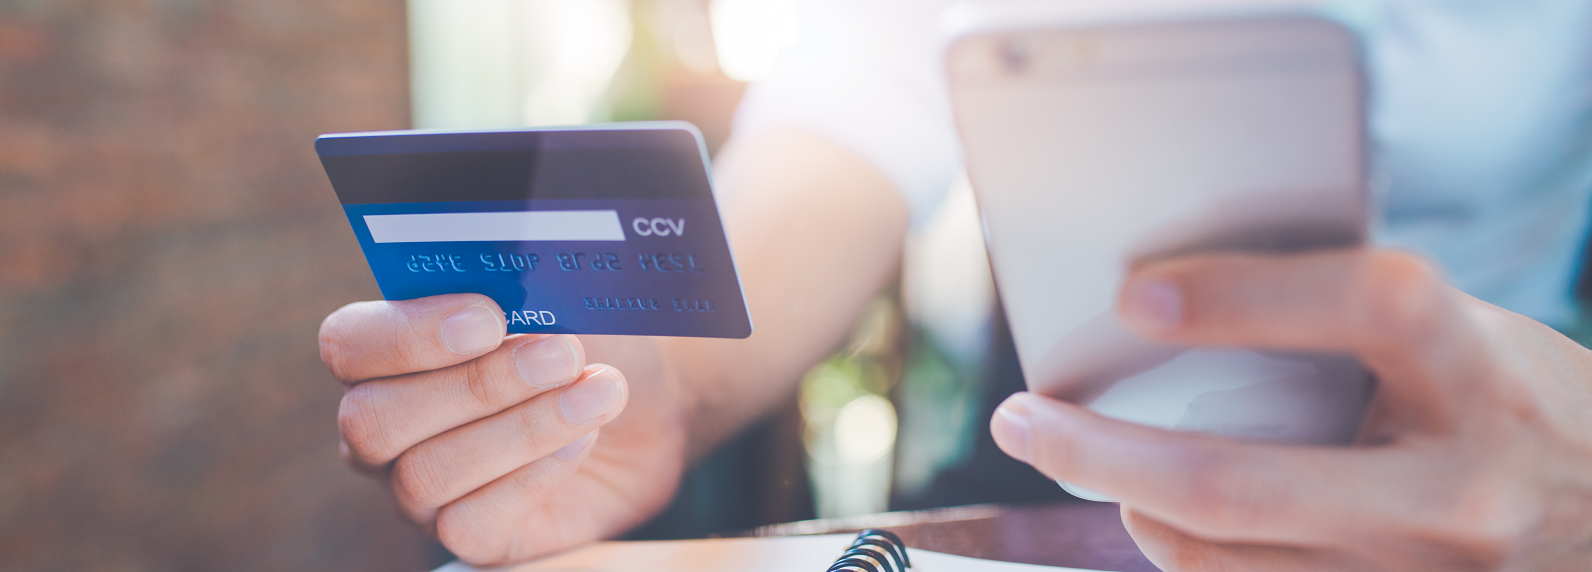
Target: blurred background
<point x="169" y="245"/>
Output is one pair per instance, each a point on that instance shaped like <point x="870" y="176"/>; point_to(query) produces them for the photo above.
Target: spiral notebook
<point x="819" y="553"/>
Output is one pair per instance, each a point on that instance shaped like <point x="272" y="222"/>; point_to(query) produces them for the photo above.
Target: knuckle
<point x="481" y="382"/>
<point x="1480" y="520"/>
<point x="1403" y="295"/>
<point x="406" y="352"/>
<point x="360" y="424"/>
<point x="1219" y="498"/>
<point x="456" y="533"/>
<point x="417" y="483"/>
<point x="534" y="422"/>
<point x="535" y="489"/>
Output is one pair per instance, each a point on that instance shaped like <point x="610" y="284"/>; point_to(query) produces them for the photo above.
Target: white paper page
<point x="777" y="554"/>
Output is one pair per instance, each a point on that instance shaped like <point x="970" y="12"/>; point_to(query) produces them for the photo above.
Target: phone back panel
<point x="1092" y="146"/>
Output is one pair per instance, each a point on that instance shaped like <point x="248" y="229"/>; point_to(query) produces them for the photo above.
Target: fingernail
<point x="1152" y="305"/>
<point x="573" y="449"/>
<point x="593" y="397"/>
<point x="548" y="362"/>
<point x="1012" y="430"/>
<point x="471" y="330"/>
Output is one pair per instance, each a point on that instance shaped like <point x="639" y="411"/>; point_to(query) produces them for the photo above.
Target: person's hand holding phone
<point x="500" y="447"/>
<point x="1475" y="455"/>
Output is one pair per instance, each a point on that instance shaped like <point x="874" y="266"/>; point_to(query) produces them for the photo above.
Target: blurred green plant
<point x="938" y="399"/>
<point x="849" y="423"/>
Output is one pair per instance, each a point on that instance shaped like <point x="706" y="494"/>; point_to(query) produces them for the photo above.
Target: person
<point x="1476" y="452"/>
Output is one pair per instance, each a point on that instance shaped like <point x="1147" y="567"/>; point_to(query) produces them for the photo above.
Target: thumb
<point x="1223" y="487"/>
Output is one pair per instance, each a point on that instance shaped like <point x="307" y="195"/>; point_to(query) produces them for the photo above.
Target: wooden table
<point x="1081" y="535"/>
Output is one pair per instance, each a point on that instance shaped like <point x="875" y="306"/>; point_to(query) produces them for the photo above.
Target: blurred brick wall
<point x="168" y="246"/>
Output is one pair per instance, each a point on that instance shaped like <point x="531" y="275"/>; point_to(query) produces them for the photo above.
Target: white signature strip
<point x="496" y="226"/>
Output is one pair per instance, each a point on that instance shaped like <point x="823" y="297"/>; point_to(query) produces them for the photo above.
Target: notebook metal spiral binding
<point x="874" y="550"/>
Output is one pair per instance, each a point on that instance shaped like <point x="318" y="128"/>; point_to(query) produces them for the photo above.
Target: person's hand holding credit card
<point x="467" y="392"/>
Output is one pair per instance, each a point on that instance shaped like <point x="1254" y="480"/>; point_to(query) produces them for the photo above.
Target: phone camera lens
<point x="1014" y="55"/>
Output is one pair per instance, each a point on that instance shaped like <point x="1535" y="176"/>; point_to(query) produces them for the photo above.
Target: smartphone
<point x="1101" y="134"/>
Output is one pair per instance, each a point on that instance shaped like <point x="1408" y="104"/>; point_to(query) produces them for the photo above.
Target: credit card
<point x="605" y="229"/>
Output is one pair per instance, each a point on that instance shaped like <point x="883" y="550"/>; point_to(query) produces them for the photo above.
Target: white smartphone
<point x="1098" y="134"/>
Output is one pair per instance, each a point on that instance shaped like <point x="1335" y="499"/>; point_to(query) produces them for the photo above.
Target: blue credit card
<point x="607" y="229"/>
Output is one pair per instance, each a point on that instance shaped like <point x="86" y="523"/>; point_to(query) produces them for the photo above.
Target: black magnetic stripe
<point x="672" y="169"/>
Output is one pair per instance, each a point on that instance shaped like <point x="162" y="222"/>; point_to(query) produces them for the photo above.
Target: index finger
<point x="1392" y="310"/>
<point x="369" y="340"/>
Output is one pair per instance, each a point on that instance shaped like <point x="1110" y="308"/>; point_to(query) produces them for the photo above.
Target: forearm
<point x="816" y="232"/>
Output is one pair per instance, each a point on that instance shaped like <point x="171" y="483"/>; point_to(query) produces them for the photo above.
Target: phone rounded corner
<point x="1085" y="493"/>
